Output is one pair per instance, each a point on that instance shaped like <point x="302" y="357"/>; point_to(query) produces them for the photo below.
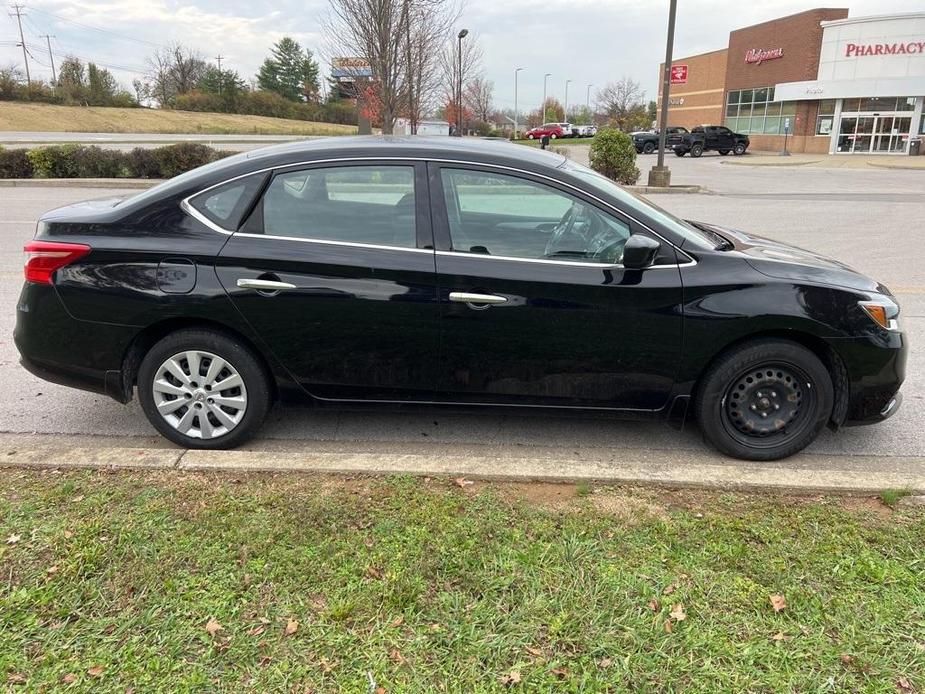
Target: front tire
<point x="740" y="149"/>
<point x="723" y="152"/>
<point x="648" y="148"/>
<point x="553" y="136"/>
<point x="202" y="389"/>
<point x="696" y="151"/>
<point x="764" y="400"/>
<point x="529" y="137"/>
<point x="679" y="152"/>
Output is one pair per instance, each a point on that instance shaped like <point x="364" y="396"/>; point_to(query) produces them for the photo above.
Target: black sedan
<point x="448" y="272"/>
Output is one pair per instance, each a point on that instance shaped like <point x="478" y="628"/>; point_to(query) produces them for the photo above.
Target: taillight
<point x="44" y="257"/>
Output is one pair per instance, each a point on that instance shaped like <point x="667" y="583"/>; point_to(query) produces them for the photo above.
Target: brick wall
<point x="703" y="95"/>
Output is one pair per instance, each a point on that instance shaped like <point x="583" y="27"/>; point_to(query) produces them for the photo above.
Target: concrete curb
<point x="647" y="467"/>
<point x="902" y="167"/>
<point x="649" y="190"/>
<point x="79" y="182"/>
<point x="771" y="163"/>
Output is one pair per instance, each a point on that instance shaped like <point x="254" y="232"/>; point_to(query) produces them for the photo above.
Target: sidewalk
<point x="829" y="161"/>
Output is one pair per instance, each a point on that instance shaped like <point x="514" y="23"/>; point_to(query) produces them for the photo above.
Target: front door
<point x="334" y="270"/>
<point x="535" y="307"/>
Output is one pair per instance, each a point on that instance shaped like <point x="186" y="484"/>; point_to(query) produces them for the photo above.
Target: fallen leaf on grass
<point x="397" y="622"/>
<point x="69" y="678"/>
<point x="52" y="570"/>
<point x="903" y="685"/>
<point x="846" y="659"/>
<point x="533" y="651"/>
<point x="462" y="482"/>
<point x="670" y="588"/>
<point x="605" y="662"/>
<point x="678" y="613"/>
<point x="213" y="627"/>
<point x="256" y="631"/>
<point x="95" y="671"/>
<point x="560" y="672"/>
<point x="264" y="661"/>
<point x="397" y="657"/>
<point x="373" y="572"/>
<point x="668" y="626"/>
<point x="15" y="678"/>
<point x="13" y="539"/>
<point x="292" y="626"/>
<point x="68" y="534"/>
<point x="779" y="636"/>
<point x="513" y="677"/>
<point x="655" y="605"/>
<point x="778" y="602"/>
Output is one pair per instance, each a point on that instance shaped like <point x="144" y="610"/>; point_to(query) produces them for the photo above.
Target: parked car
<point x="646" y="141"/>
<point x="584" y="130"/>
<point x="440" y="271"/>
<point x="708" y="137"/>
<point x="552" y="130"/>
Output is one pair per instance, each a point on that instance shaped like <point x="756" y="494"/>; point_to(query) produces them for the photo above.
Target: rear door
<point x="535" y="307"/>
<point x="334" y="269"/>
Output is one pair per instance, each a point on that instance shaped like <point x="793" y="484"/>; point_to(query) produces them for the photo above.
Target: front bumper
<point x="876" y="369"/>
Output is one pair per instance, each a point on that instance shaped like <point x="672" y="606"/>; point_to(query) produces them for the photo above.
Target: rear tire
<point x="529" y="137"/>
<point x="679" y="152"/>
<point x="696" y="151"/>
<point x="202" y="389"/>
<point x="553" y="136"/>
<point x="764" y="400"/>
<point x="723" y="152"/>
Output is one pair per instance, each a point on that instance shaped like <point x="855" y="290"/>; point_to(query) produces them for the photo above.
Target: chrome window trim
<point x="327" y="242"/>
<point x="576" y="263"/>
<point x="192" y="211"/>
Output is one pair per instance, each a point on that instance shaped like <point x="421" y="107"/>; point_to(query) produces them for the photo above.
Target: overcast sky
<point x="587" y="41"/>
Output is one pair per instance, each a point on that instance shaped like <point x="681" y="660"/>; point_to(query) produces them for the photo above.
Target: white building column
<point x="916" y="120"/>
<point x="836" y="127"/>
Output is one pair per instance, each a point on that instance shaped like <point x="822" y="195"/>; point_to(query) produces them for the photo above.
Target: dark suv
<point x="646" y="141"/>
<point x="705" y="137"/>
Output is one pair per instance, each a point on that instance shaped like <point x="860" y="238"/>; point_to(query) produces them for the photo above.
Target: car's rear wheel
<point x="739" y="149"/>
<point x="696" y="151"/>
<point x="764" y="400"/>
<point x="724" y="152"/>
<point x="202" y="389"/>
<point x="679" y="152"/>
<point x="648" y="148"/>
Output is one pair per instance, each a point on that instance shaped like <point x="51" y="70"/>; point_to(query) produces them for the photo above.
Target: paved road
<point x="127" y="141"/>
<point x="867" y="218"/>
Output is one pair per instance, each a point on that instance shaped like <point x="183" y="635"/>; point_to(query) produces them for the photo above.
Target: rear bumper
<point x="59" y="348"/>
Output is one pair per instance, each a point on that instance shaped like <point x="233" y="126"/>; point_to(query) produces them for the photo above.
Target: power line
<point x="95" y="28"/>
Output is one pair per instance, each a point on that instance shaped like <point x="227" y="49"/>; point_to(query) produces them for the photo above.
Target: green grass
<point x="430" y="586"/>
<point x="891" y="497"/>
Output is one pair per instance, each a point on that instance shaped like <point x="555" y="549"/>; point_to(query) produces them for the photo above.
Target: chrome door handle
<point x="264" y="285"/>
<point x="467" y="298"/>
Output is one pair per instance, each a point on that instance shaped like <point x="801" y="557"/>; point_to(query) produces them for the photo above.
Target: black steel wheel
<point x="764" y="400"/>
<point x="648" y="148"/>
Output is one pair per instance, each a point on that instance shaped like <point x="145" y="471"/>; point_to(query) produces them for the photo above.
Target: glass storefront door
<point x="873" y="133"/>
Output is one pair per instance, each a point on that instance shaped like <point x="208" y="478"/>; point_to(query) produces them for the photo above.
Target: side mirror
<point x="639" y="252"/>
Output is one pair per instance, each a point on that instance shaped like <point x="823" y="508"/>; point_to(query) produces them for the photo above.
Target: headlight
<point x="883" y="312"/>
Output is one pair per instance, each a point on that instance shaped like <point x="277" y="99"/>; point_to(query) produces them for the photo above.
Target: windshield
<point x="689" y="233"/>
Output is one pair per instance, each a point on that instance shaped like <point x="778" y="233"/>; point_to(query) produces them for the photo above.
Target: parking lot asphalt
<point x="867" y="218"/>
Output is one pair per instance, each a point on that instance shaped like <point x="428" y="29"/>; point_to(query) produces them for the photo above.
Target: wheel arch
<point x="155" y="332"/>
<point x="826" y="354"/>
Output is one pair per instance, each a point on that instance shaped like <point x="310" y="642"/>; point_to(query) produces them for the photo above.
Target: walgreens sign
<point x="760" y="55"/>
<point x="856" y="50"/>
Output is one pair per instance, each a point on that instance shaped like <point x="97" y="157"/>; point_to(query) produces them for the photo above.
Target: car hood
<point x="84" y="208"/>
<point x="784" y="261"/>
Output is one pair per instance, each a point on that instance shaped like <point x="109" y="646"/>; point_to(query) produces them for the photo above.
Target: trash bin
<point x="915" y="147"/>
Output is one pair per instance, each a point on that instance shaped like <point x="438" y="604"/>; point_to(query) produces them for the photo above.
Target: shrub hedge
<point x="613" y="155"/>
<point x="82" y="161"/>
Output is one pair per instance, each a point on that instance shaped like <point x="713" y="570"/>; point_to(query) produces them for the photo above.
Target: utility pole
<point x="660" y="175"/>
<point x="543" y="108"/>
<point x="54" y="76"/>
<point x="516" y="70"/>
<point x="221" y="75"/>
<point x="17" y="10"/>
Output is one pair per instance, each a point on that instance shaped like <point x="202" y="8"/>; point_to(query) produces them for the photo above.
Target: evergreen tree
<point x="101" y="86"/>
<point x="290" y="72"/>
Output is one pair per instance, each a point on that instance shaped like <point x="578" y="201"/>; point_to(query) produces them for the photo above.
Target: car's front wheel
<point x="696" y="151"/>
<point x="723" y="152"/>
<point x="739" y="149"/>
<point x="764" y="400"/>
<point x="529" y="137"/>
<point x="679" y="152"/>
<point x="648" y="148"/>
<point x="203" y="389"/>
<point x="553" y="136"/>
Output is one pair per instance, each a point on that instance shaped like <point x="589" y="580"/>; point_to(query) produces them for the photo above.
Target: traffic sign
<point x="679" y="74"/>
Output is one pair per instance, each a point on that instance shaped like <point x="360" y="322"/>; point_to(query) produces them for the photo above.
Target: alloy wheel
<point x="199" y="394"/>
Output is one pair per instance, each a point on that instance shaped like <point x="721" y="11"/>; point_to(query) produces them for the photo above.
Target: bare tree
<point x="480" y="94"/>
<point x="173" y="71"/>
<point x="399" y="39"/>
<point x="620" y="101"/>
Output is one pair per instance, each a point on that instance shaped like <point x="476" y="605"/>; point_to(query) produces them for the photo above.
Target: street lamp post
<point x="516" y="70"/>
<point x="543" y="107"/>
<point x="459" y="107"/>
<point x="588" y="98"/>
<point x="660" y="175"/>
<point x="565" y="106"/>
